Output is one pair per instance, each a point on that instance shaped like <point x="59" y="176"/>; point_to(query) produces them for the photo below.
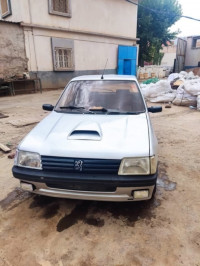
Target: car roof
<point x="105" y="77"/>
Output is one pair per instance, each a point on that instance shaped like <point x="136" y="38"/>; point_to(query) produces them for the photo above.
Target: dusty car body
<point x="96" y="144"/>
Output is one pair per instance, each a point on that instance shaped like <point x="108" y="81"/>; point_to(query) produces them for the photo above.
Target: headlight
<point x="138" y="166"/>
<point x="28" y="159"/>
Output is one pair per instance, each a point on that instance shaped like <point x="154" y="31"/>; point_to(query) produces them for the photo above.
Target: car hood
<point x="89" y="136"/>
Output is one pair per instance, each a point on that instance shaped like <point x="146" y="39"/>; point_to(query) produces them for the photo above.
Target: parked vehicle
<point x="96" y="144"/>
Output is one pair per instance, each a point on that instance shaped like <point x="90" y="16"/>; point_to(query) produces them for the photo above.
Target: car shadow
<point x="94" y="213"/>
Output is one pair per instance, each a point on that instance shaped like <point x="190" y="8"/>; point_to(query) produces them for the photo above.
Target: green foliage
<point x="158" y="56"/>
<point x="153" y="27"/>
<point x="149" y="81"/>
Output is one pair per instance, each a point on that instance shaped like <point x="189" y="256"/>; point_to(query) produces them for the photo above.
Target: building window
<point x="63" y="54"/>
<point x="63" y="59"/>
<point x="60" y="7"/>
<point x="5" y="8"/>
<point x="196" y="42"/>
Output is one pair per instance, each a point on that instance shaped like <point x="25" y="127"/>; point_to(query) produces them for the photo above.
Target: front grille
<point x="83" y="187"/>
<point x="76" y="165"/>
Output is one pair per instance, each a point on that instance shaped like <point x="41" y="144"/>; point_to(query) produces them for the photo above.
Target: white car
<point x="96" y="144"/>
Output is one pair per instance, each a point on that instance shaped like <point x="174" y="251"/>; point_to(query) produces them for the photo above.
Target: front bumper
<point x="85" y="186"/>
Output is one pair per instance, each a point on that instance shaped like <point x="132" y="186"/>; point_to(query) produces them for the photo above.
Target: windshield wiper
<point x="78" y="108"/>
<point x="104" y="110"/>
<point x="122" y="112"/>
<point x="114" y="111"/>
<point x="98" y="109"/>
<point x="133" y="113"/>
<point x="72" y="107"/>
<point x="94" y="110"/>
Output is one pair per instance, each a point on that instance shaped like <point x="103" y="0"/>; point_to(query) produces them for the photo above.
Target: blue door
<point x="127" y="67"/>
<point x="127" y="56"/>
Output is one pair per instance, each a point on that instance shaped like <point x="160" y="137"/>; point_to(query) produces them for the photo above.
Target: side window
<point x="63" y="54"/>
<point x="60" y="7"/>
<point x="5" y="8"/>
<point x="196" y="42"/>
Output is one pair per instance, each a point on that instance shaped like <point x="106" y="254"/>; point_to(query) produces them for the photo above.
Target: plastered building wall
<point x="90" y="52"/>
<point x="169" y="55"/>
<point x="192" y="55"/>
<point x="116" y="17"/>
<point x="97" y="28"/>
<point x="12" y="50"/>
<point x="90" y="55"/>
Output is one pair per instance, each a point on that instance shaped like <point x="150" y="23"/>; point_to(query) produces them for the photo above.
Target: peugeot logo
<point x="78" y="165"/>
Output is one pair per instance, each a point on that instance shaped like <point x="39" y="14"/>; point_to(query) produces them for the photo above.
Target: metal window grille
<point x="61" y="6"/>
<point x="63" y="58"/>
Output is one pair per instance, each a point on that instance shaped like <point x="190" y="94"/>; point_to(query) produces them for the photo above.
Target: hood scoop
<point x="86" y="131"/>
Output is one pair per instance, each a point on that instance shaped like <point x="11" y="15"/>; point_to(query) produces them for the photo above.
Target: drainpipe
<point x="31" y="21"/>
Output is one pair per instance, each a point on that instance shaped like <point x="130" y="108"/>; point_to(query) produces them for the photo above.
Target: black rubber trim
<point x="73" y="178"/>
<point x="81" y="186"/>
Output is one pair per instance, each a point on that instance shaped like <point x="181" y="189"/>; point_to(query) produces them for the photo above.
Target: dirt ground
<point x="45" y="231"/>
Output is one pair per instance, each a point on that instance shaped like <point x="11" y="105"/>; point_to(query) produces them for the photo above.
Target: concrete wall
<point x="96" y="28"/>
<point x="12" y="50"/>
<point x="192" y="55"/>
<point x="90" y="55"/>
<point x="116" y="17"/>
<point x="169" y="55"/>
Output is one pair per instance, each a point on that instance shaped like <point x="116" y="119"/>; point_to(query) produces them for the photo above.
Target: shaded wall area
<point x="13" y="59"/>
<point x="54" y="80"/>
<point x="192" y="59"/>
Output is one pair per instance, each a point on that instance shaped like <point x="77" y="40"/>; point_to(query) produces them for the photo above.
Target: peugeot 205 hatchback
<point x="96" y="144"/>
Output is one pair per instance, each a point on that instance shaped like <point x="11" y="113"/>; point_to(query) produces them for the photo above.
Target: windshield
<point x="99" y="96"/>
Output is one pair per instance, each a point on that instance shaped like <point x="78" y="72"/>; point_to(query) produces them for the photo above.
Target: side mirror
<point x="155" y="109"/>
<point x="47" y="107"/>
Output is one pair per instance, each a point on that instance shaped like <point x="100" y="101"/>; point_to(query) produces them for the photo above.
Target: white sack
<point x="191" y="75"/>
<point x="183" y="98"/>
<point x="187" y="75"/>
<point x="172" y="77"/>
<point x="154" y="90"/>
<point x="192" y="86"/>
<point x="183" y="76"/>
<point x="167" y="97"/>
<point x="143" y="89"/>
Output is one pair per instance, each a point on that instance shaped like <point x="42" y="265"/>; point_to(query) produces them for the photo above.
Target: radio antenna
<point x="102" y="77"/>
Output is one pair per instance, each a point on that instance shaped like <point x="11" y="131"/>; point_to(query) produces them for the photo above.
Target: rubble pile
<point x="158" y="92"/>
<point x="182" y="76"/>
<point x="180" y="88"/>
